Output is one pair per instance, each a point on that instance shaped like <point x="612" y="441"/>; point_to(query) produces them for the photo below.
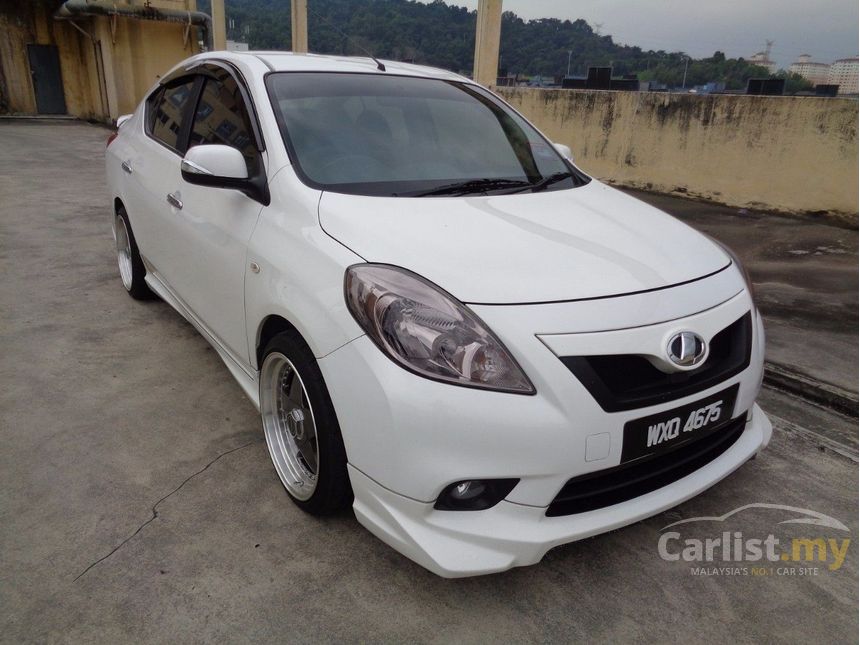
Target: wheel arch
<point x="269" y="327"/>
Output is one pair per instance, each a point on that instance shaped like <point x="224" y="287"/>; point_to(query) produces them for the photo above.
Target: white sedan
<point x="443" y="321"/>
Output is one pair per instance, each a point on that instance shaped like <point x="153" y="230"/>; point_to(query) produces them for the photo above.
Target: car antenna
<point x="370" y="55"/>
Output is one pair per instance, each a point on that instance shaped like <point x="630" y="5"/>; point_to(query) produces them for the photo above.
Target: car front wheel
<point x="301" y="428"/>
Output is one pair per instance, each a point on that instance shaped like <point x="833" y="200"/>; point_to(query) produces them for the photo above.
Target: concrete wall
<point x="791" y="154"/>
<point x="103" y="76"/>
<point x="22" y="23"/>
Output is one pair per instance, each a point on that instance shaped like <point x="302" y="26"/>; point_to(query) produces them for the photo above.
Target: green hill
<point x="443" y="35"/>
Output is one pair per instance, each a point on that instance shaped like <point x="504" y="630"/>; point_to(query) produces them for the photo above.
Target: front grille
<point x="627" y="481"/>
<point x="626" y="381"/>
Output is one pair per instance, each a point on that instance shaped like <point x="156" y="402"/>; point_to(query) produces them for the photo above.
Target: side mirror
<point x="207" y="165"/>
<point x="220" y="166"/>
<point x="564" y="151"/>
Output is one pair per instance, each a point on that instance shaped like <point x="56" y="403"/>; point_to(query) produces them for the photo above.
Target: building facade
<point x="93" y="60"/>
<point x="762" y="59"/>
<point x="843" y="73"/>
<point x="815" y="73"/>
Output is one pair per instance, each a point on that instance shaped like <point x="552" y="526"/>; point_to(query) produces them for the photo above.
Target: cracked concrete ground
<point x="137" y="501"/>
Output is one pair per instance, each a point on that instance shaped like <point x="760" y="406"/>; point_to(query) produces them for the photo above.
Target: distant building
<point x="825" y="90"/>
<point x="766" y="86"/>
<point x="542" y="81"/>
<point x="600" y="78"/>
<point x="843" y="73"/>
<point x="815" y="73"/>
<point x="762" y="59"/>
<point x="652" y="86"/>
<point x="714" y="87"/>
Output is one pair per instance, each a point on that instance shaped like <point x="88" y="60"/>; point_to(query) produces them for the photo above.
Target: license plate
<point x="667" y="430"/>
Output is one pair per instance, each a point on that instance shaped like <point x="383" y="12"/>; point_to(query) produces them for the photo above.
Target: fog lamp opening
<point x="474" y="494"/>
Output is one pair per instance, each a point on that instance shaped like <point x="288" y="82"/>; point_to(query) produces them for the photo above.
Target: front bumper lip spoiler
<point x="510" y="534"/>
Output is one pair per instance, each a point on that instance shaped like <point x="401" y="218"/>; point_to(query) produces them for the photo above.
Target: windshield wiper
<point x="476" y="186"/>
<point x="543" y="183"/>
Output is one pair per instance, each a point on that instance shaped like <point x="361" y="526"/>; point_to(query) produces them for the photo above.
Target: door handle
<point x="126" y="165"/>
<point x="174" y="201"/>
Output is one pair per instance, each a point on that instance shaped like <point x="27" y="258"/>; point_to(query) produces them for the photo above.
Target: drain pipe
<point x="78" y="8"/>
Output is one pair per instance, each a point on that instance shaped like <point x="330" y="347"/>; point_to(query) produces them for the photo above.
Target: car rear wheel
<point x="301" y="428"/>
<point x="131" y="269"/>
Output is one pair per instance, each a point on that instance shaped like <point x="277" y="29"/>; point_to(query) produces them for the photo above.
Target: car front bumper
<point x="458" y="544"/>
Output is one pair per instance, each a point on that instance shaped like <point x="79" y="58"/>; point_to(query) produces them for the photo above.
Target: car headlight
<point x="429" y="332"/>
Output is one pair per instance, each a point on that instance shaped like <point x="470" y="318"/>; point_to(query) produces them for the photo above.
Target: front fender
<point x="301" y="271"/>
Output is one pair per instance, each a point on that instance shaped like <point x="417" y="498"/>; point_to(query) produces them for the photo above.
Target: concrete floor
<point x="138" y="503"/>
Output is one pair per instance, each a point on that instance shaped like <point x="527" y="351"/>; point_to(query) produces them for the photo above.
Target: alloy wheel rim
<point x="289" y="425"/>
<point x="123" y="252"/>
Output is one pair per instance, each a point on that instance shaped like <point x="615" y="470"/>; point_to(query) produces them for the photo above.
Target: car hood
<point x="587" y="242"/>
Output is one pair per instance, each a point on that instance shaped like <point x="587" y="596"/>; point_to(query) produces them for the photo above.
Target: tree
<point x="443" y="35"/>
<point x="794" y="83"/>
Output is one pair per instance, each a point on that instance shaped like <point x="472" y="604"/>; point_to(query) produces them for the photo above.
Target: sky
<point x="825" y="29"/>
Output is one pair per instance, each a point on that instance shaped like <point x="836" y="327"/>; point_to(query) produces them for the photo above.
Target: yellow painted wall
<point x="143" y="51"/>
<point x="31" y="23"/>
<point x="133" y="57"/>
<point x="791" y="154"/>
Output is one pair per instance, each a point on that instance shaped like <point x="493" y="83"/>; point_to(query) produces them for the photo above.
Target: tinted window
<point x="166" y="118"/>
<point x="221" y="117"/>
<point x="384" y="135"/>
<point x="152" y="107"/>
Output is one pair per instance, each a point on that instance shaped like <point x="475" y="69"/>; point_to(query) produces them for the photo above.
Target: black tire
<point x="333" y="492"/>
<point x="137" y="288"/>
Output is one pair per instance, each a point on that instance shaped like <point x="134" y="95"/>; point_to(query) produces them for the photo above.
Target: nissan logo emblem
<point x="686" y="349"/>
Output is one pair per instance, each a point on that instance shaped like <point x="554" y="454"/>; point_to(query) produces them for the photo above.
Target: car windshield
<point x="375" y="134"/>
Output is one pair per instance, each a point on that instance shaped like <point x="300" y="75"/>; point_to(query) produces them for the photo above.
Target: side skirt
<point x="248" y="381"/>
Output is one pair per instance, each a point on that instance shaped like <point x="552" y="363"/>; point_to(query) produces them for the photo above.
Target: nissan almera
<point x="443" y="321"/>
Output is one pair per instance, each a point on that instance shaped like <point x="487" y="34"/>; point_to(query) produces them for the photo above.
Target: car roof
<point x="278" y="61"/>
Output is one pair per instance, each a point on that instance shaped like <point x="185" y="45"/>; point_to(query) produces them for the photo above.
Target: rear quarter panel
<point x="118" y="150"/>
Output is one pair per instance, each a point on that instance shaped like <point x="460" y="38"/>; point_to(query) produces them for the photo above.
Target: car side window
<point x="151" y="109"/>
<point x="168" y="106"/>
<point x="221" y="117"/>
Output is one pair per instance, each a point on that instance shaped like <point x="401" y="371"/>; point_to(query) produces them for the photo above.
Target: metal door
<point x="47" y="80"/>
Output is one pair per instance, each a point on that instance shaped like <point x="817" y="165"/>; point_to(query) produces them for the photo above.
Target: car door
<point x="215" y="224"/>
<point x="152" y="169"/>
